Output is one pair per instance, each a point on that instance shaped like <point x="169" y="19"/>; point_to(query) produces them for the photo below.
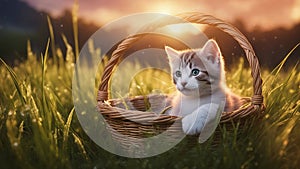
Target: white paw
<point x="193" y="123"/>
<point x="213" y="119"/>
<point x="203" y="121"/>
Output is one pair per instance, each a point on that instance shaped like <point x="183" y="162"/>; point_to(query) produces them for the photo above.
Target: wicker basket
<point x="137" y="123"/>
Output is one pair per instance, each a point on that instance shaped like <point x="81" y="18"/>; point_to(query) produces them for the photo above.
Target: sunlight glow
<point x="183" y="29"/>
<point x="164" y="7"/>
<point x="101" y="15"/>
<point x="295" y="13"/>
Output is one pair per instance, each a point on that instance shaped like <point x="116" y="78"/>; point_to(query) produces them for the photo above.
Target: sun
<point x="163" y="7"/>
<point x="170" y="8"/>
<point x="183" y="29"/>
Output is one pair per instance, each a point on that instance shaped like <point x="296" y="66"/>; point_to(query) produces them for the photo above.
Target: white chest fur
<point x="184" y="105"/>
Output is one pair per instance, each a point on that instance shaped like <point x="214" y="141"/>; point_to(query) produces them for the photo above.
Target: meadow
<point x="39" y="127"/>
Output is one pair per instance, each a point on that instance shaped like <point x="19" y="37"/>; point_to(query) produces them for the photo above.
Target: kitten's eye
<point x="195" y="72"/>
<point x="178" y="74"/>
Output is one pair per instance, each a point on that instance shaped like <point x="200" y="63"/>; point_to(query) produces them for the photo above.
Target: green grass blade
<point x="53" y="48"/>
<point x="285" y="59"/>
<point x="47" y="115"/>
<point x="15" y="81"/>
<point x="278" y="68"/>
<point x="67" y="126"/>
<point x="79" y="142"/>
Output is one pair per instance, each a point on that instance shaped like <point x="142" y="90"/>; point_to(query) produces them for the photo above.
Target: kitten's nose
<point x="183" y="84"/>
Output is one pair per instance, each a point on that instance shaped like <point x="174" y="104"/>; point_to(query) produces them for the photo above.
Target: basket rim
<point x="112" y="110"/>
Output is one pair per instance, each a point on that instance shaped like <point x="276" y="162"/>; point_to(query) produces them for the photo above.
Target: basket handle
<point x="192" y="17"/>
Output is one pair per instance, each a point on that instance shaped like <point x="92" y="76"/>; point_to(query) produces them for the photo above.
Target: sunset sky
<point x="265" y="14"/>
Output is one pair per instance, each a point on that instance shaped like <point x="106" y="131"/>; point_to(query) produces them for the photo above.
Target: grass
<point x="39" y="129"/>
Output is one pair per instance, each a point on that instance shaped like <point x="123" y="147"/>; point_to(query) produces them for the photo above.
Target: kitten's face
<point x="198" y="71"/>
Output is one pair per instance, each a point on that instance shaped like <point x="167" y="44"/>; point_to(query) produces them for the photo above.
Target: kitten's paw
<point x="193" y="123"/>
<point x="212" y="121"/>
<point x="189" y="125"/>
<point x="203" y="121"/>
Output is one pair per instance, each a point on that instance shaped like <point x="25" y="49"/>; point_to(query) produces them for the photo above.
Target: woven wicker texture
<point x="136" y="121"/>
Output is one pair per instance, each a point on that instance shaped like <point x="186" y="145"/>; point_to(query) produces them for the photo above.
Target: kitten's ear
<point x="172" y="54"/>
<point x="212" y="50"/>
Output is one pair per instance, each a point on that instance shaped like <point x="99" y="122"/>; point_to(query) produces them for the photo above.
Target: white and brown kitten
<point x="199" y="77"/>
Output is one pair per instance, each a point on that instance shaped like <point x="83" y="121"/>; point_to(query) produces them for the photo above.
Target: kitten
<point x="202" y="95"/>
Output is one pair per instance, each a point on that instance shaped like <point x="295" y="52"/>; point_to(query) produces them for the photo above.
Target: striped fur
<point x="233" y="102"/>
